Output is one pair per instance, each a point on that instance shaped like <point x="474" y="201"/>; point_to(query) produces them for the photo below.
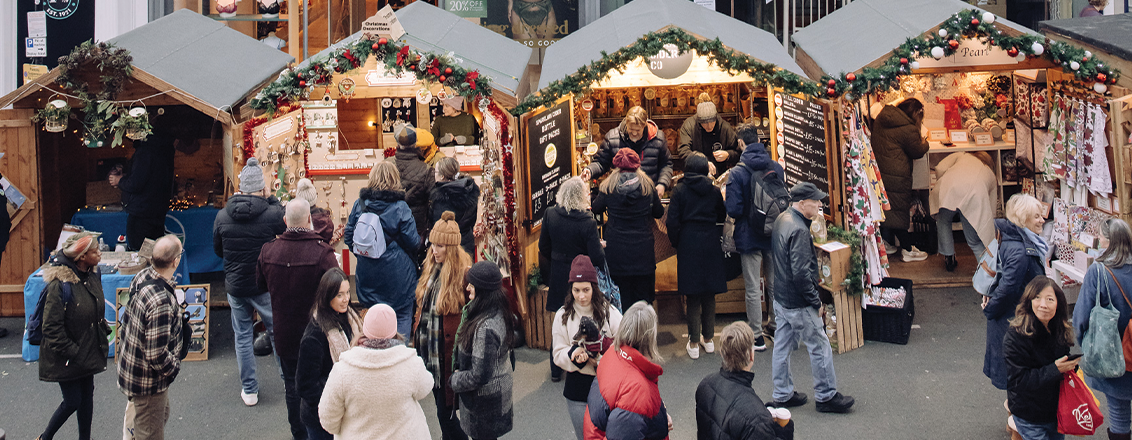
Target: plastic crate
<point x="886" y="324"/>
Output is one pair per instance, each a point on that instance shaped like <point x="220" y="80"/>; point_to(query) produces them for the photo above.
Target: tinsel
<point x="249" y="130"/>
<point x="968" y="24"/>
<point x="652" y="43"/>
<point x="505" y="154"/>
<point x="397" y="58"/>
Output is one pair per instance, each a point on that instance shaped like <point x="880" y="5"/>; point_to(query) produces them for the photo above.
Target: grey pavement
<point x="932" y="388"/>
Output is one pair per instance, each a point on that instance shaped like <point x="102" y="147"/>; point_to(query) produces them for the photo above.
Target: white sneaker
<point x="889" y="249"/>
<point x="709" y="346"/>
<point x="914" y="255"/>
<point x="249" y="399"/>
<point x="693" y="351"/>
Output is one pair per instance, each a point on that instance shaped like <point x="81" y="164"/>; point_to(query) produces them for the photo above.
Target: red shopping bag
<point x="1078" y="411"/>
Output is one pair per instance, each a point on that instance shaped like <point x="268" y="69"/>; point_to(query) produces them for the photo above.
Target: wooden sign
<point x="937" y="135"/>
<point x="194" y="299"/>
<point x="971" y="52"/>
<point x="549" y="156"/>
<point x="958" y="135"/>
<point x="984" y="139"/>
<point x="383" y="24"/>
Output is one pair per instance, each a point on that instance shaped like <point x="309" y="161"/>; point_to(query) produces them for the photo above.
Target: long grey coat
<point x="483" y="381"/>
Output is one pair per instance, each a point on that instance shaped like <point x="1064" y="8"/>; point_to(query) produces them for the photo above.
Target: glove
<point x="446" y="138"/>
<point x="461" y="140"/>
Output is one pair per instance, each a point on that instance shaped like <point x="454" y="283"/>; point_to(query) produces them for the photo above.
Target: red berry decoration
<point x="448" y="71"/>
<point x="442" y="78"/>
<point x="1012" y="52"/>
<point x="302" y="83"/>
<point x="954" y="44"/>
<point x="974" y="22"/>
<point x="850" y="77"/>
<point x="903" y="61"/>
<point x="830" y="92"/>
<point x="1101" y="77"/>
<point x="382" y="41"/>
<point x="832" y="83"/>
<point x="374" y="47"/>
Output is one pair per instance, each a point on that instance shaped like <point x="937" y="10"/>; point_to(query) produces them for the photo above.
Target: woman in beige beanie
<point x="440" y="301"/>
<point x="320" y="217"/>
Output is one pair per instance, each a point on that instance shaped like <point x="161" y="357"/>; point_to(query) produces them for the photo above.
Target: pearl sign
<point x="970" y="53"/>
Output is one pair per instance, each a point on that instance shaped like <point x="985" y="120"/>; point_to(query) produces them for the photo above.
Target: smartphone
<point x="1074" y="356"/>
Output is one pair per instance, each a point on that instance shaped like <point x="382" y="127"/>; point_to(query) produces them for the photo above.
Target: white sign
<point x="970" y="53"/>
<point x="37" y="24"/>
<point x="383" y="78"/>
<point x="35" y="47"/>
<point x="383" y="24"/>
<point x="710" y="4"/>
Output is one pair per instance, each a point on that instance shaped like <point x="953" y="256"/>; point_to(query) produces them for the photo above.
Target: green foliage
<point x="534" y="278"/>
<point x="125" y="123"/>
<point x="854" y="282"/>
<point x="652" y="43"/>
<point x="51" y="113"/>
<point x="99" y="109"/>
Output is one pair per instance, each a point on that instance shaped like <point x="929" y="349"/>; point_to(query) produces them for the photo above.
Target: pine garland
<point x="965" y="25"/>
<point x="653" y="43"/>
<point x="99" y="109"/>
<point x="397" y="57"/>
<point x="854" y="282"/>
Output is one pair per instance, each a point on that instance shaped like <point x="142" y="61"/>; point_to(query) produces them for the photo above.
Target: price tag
<point x="958" y="135"/>
<point x="1008" y="136"/>
<point x="937" y="134"/>
<point x="984" y="139"/>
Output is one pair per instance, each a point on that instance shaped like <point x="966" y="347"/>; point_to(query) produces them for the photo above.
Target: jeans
<point x="309" y="415"/>
<point x="291" y="396"/>
<point x="577" y="412"/>
<point x="449" y="425"/>
<point x="78" y="396"/>
<point x="802" y="325"/>
<point x="635" y="288"/>
<point x="947" y="237"/>
<point x="1119" y="414"/>
<point x="242" y="327"/>
<point x="701" y="310"/>
<point x="753" y="265"/>
<point x="1037" y="431"/>
<point x="146" y="416"/>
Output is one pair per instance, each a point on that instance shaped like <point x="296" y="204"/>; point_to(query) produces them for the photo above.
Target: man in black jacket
<point x="250" y="220"/>
<point x="708" y="133"/>
<point x="727" y="408"/>
<point x="798" y="310"/>
<point x="147" y="188"/>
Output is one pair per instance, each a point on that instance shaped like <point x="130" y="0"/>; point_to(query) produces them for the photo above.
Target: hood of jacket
<point x="756" y="157"/>
<point x="629" y="185"/>
<point x="892" y="117"/>
<point x="62" y="269"/>
<point x="698" y="183"/>
<point x="409" y="153"/>
<point x="378" y="200"/>
<point x="245" y="207"/>
<point x="374" y="359"/>
<point x="457" y="189"/>
<point x="1008" y="231"/>
<point x="650" y="370"/>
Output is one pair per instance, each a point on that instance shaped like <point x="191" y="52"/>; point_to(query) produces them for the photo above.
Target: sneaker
<point x="693" y="350"/>
<point x="709" y="346"/>
<point x="890" y="249"/>
<point x="249" y="399"/>
<point x="913" y="255"/>
<point x="798" y="399"/>
<point x="950" y="263"/>
<point x="760" y="344"/>
<point x="556" y="377"/>
<point x="838" y="404"/>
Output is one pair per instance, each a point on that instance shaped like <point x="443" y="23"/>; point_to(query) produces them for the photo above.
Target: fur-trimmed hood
<point x="63" y="269"/>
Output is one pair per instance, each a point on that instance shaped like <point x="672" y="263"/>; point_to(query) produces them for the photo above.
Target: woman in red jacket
<point x="624" y="402"/>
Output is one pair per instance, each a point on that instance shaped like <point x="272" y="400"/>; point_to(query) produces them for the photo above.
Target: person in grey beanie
<point x="708" y="133"/>
<point x="250" y="219"/>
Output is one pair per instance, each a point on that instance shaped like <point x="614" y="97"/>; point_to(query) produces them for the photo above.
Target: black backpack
<point x="35" y="321"/>
<point x="769" y="198"/>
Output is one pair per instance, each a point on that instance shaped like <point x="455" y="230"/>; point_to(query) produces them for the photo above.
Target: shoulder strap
<point x="1118" y="286"/>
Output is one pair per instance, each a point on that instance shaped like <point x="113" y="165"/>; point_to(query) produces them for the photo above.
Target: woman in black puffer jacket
<point x="456" y="193"/>
<point x="897" y="142"/>
<point x="633" y="203"/>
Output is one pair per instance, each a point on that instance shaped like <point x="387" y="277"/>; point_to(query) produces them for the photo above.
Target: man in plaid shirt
<point x="151" y="343"/>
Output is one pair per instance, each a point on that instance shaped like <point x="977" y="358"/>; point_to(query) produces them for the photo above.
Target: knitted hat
<point x="705" y="112"/>
<point x="407" y="137"/>
<point x="306" y="191"/>
<point x="446" y="231"/>
<point x="251" y="177"/>
<point x="424" y="139"/>
<point x="582" y="270"/>
<point x="380" y="322"/>
<point x="627" y="159"/>
<point x="484" y="275"/>
<point x="78" y="244"/>
<point x="455" y="100"/>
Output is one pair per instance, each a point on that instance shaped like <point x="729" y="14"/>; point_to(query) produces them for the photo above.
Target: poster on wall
<point x="802" y="141"/>
<point x="536" y="23"/>
<point x="194" y="300"/>
<point x="549" y="156"/>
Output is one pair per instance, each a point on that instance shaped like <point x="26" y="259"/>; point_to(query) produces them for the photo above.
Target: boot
<point x="949" y="263"/>
<point x="1115" y="436"/>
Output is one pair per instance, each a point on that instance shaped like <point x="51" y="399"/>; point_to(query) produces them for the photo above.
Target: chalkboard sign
<point x="802" y="141"/>
<point x="549" y="156"/>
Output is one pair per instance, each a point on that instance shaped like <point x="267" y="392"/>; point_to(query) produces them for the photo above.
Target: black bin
<point x="887" y="324"/>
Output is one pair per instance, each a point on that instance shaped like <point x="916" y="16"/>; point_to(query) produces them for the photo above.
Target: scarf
<point x="1043" y="247"/>
<point x="430" y="331"/>
<point x="338" y="340"/>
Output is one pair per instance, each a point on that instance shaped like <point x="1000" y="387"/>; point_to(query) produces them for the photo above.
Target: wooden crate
<point x="850" y="334"/>
<point x="538" y="323"/>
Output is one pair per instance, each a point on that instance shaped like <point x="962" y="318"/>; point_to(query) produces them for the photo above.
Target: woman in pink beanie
<point x="382" y="380"/>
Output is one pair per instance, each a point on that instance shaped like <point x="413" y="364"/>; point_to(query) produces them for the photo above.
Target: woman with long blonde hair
<point x="632" y="202"/>
<point x="441" y="297"/>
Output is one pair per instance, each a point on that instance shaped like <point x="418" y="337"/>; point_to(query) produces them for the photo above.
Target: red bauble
<point x="832" y="83"/>
<point x="850" y="77"/>
<point x="448" y="71"/>
<point x="442" y="78"/>
<point x="302" y="83"/>
<point x="1012" y="52"/>
<point x="1101" y="77"/>
<point x="830" y="91"/>
<point x="974" y="22"/>
<point x="374" y="47"/>
<point x="382" y="41"/>
<point x="903" y="61"/>
<point x="954" y="44"/>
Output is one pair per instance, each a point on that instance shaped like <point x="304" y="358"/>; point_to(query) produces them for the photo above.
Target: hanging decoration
<point x="650" y="44"/>
<point x="99" y="109"/>
<point x="134" y="124"/>
<point x="506" y="157"/>
<point x="53" y="116"/>
<point x="396" y="57"/>
<point x="249" y="128"/>
<point x="970" y="24"/>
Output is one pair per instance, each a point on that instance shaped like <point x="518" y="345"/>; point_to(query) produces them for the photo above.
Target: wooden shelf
<point x="937" y="148"/>
<point x="248" y="17"/>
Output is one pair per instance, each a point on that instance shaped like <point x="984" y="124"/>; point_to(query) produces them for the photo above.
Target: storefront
<point x="335" y="115"/>
<point x="987" y="85"/>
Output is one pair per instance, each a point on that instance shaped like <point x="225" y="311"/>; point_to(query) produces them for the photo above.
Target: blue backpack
<point x="34" y="329"/>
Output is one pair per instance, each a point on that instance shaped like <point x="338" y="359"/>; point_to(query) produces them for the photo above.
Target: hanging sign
<point x="33" y="71"/>
<point x="37" y="24"/>
<point x="971" y="52"/>
<point x="670" y="63"/>
<point x="467" y="8"/>
<point x="35" y="47"/>
<point x="802" y="141"/>
<point x="549" y="156"/>
<point x="383" y="24"/>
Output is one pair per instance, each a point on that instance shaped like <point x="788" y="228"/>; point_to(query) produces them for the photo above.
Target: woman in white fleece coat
<point x="966" y="187"/>
<point x="374" y="389"/>
<point x="577" y="355"/>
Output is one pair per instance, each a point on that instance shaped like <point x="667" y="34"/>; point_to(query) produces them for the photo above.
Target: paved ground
<point x="931" y="388"/>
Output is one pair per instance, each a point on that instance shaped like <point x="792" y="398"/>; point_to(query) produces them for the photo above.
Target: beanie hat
<point x="306" y="191"/>
<point x="705" y="112"/>
<point x="380" y="322"/>
<point x="582" y="270"/>
<point x="446" y="231"/>
<point x="484" y="275"/>
<point x="627" y="159"/>
<point x="454" y="100"/>
<point x="424" y="139"/>
<point x="407" y="137"/>
<point x="78" y="244"/>
<point x="251" y="177"/>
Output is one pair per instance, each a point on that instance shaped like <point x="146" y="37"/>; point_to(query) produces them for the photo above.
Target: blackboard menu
<point x="802" y="141"/>
<point x="549" y="156"/>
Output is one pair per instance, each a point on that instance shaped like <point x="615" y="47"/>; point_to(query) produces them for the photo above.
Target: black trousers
<point x="141" y="227"/>
<point x="635" y="288"/>
<point x="78" y="396"/>
<point x="298" y="429"/>
<point x="449" y="425"/>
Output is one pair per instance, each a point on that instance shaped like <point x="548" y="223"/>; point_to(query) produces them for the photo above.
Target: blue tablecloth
<point x="199" y="255"/>
<point x="35" y="285"/>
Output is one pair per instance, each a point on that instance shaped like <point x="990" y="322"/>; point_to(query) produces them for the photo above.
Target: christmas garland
<point x="964" y="25"/>
<point x="653" y="43"/>
<point x="854" y="282"/>
<point x="99" y="109"/>
<point x="397" y="57"/>
<point x="250" y="126"/>
<point x="505" y="154"/>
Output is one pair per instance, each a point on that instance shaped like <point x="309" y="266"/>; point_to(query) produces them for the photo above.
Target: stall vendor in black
<point x="454" y="126"/>
<point x="707" y="133"/>
<point x="147" y="187"/>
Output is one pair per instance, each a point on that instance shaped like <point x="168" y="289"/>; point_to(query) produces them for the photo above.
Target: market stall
<point x="987" y="85"/>
<point x="174" y="75"/>
<point x="334" y="116"/>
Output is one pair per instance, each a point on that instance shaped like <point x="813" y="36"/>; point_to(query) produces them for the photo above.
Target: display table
<point x="199" y="254"/>
<point x="35" y="285"/>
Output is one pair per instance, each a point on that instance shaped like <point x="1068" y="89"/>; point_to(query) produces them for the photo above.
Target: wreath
<point x="99" y="109"/>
